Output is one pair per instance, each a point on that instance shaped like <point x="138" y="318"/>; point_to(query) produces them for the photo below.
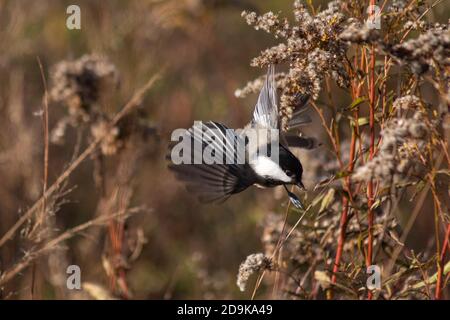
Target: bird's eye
<point x="289" y="173"/>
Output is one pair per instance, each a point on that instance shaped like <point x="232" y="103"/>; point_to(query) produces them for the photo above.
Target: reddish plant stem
<point x="345" y="207"/>
<point x="438" y="292"/>
<point x="370" y="194"/>
<point x="345" y="200"/>
<point x="437" y="209"/>
<point x="342" y="229"/>
<point x="446" y="240"/>
<point x="116" y="231"/>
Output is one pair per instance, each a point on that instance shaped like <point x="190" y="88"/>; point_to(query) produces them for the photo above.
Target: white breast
<point x="265" y="167"/>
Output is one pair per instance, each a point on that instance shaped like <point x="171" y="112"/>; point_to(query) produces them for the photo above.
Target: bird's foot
<point x="295" y="200"/>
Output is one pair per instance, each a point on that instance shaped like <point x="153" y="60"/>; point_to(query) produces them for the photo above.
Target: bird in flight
<point x="216" y="181"/>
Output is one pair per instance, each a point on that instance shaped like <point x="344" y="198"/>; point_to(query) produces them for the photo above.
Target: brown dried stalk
<point x="53" y="244"/>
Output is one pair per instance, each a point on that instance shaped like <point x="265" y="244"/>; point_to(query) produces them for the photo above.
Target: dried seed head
<point x="359" y="33"/>
<point x="268" y="22"/>
<point x="253" y="263"/>
<point x="431" y="49"/>
<point x="407" y="102"/>
<point x="110" y="144"/>
<point x="402" y="137"/>
<point x="79" y="83"/>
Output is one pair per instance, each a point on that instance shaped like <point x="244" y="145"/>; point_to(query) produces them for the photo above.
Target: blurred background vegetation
<point x="202" y="49"/>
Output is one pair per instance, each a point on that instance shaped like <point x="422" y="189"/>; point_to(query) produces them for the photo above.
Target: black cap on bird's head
<point x="291" y="166"/>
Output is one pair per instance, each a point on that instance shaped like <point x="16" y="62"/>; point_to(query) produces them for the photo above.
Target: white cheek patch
<point x="265" y="167"/>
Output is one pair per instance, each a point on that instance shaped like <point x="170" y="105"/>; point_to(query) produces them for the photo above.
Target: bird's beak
<point x="301" y="186"/>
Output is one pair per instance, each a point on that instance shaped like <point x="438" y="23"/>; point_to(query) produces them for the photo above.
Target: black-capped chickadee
<point x="213" y="167"/>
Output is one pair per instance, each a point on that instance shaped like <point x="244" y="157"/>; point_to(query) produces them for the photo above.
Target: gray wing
<point x="298" y="121"/>
<point x="294" y="141"/>
<point x="299" y="118"/>
<point x="266" y="111"/>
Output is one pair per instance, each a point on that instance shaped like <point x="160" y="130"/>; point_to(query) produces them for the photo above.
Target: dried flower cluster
<point x="428" y="50"/>
<point x="359" y="33"/>
<point x="402" y="139"/>
<point x="312" y="48"/>
<point x="79" y="83"/>
<point x="253" y="263"/>
<point x="268" y="22"/>
<point x="110" y="143"/>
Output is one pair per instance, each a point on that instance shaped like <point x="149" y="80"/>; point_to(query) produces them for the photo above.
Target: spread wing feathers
<point x="213" y="180"/>
<point x="301" y="142"/>
<point x="266" y="111"/>
<point x="298" y="121"/>
<point x="298" y="117"/>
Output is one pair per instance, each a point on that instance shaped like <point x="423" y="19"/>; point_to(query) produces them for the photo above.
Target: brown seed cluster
<point x="402" y="139"/>
<point x="428" y="50"/>
<point x="79" y="83"/>
<point x="253" y="263"/>
<point x="359" y="33"/>
<point x="311" y="47"/>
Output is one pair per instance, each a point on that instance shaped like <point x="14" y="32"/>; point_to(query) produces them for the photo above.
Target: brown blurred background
<point x="203" y="49"/>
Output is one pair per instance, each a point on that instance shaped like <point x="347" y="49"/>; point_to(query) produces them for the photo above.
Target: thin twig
<point x="46" y="156"/>
<point x="45" y="127"/>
